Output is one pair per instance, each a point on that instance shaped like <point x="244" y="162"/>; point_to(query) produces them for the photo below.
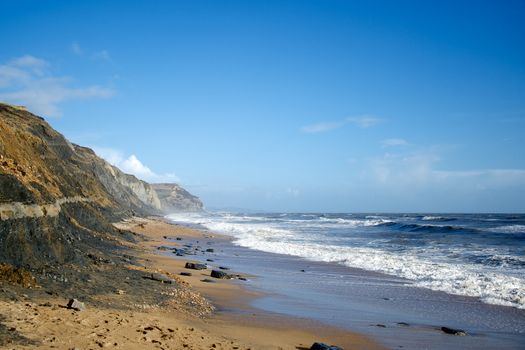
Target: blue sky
<point x="286" y="105"/>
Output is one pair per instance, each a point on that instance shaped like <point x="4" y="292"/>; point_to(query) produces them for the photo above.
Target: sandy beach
<point x="193" y="314"/>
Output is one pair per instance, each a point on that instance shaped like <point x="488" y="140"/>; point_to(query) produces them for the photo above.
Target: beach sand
<point x="185" y="320"/>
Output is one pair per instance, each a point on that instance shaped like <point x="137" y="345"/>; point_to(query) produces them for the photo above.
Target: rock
<point x="207" y="280"/>
<point x="185" y="273"/>
<point x="219" y="274"/>
<point x="159" y="278"/>
<point x="323" y="346"/>
<point x="179" y="252"/>
<point x="195" y="266"/>
<point x="210" y="250"/>
<point x="380" y="325"/>
<point x="403" y="324"/>
<point x="242" y="278"/>
<point x="74" y="304"/>
<point x="163" y="248"/>
<point x="210" y="260"/>
<point x="224" y="268"/>
<point x="178" y="239"/>
<point x="453" y="331"/>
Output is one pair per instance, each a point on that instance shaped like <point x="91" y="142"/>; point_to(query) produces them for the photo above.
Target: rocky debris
<point x="195" y="266"/>
<point x="323" y="346"/>
<point x="452" y="331"/>
<point x="185" y="273"/>
<point x="159" y="278"/>
<point x="17" y="276"/>
<point x="219" y="274"/>
<point x="74" y="304"/>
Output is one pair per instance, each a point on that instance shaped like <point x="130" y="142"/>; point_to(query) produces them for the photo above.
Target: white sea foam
<point x="432" y="218"/>
<point x="509" y="229"/>
<point x="490" y="285"/>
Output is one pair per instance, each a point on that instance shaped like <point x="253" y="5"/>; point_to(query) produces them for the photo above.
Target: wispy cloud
<point x="77" y="50"/>
<point x="394" y="142"/>
<point x="420" y="169"/>
<point x="364" y="121"/>
<point x="29" y="81"/>
<point x="321" y="127"/>
<point x="101" y="55"/>
<point x="132" y="165"/>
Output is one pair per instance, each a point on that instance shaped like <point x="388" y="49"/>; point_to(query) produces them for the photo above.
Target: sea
<point x="363" y="270"/>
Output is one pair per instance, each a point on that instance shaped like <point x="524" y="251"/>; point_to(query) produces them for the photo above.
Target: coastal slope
<point x="55" y="196"/>
<point x="174" y="198"/>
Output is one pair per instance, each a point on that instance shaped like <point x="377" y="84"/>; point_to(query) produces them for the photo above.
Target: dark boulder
<point x="219" y="274"/>
<point x="185" y="273"/>
<point x="74" y="304"/>
<point x="210" y="250"/>
<point x="453" y="331"/>
<point x="323" y="346"/>
<point x="159" y="278"/>
<point x="195" y="266"/>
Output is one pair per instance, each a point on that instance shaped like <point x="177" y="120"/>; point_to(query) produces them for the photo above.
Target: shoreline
<point x="389" y="310"/>
<point x="235" y="315"/>
<point x="129" y="306"/>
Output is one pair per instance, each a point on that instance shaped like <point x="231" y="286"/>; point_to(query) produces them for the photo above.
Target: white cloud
<point x="394" y="142"/>
<point x="29" y="81"/>
<point x="321" y="127"/>
<point x="77" y="50"/>
<point x="420" y="170"/>
<point x="101" y="55"/>
<point x="293" y="191"/>
<point x="132" y="165"/>
<point x="364" y="121"/>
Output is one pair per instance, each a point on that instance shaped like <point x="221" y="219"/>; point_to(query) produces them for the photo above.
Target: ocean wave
<point x="509" y="229"/>
<point x="430" y="228"/>
<point x="486" y="273"/>
<point x="457" y="279"/>
<point x="437" y="218"/>
<point x="460" y="279"/>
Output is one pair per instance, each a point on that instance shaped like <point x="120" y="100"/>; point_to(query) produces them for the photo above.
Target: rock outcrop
<point x="57" y="199"/>
<point x="174" y="198"/>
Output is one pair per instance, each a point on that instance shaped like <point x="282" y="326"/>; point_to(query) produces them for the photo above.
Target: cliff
<point x="57" y="199"/>
<point x="174" y="198"/>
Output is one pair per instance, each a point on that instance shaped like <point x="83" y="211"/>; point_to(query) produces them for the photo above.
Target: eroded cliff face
<point x="57" y="200"/>
<point x="174" y="198"/>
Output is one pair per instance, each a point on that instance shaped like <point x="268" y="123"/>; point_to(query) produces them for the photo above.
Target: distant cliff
<point x="57" y="198"/>
<point x="174" y="198"/>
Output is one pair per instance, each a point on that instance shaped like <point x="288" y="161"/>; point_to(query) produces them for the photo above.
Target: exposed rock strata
<point x="58" y="199"/>
<point x="174" y="198"/>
